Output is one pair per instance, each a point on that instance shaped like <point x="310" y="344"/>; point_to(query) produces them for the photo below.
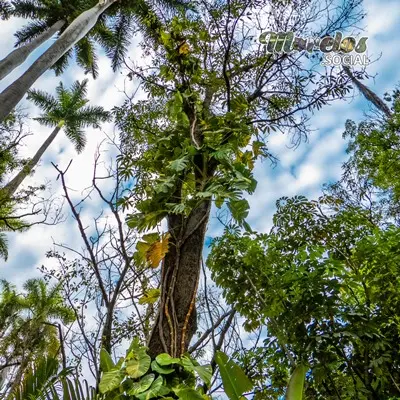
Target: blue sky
<point x="299" y="171"/>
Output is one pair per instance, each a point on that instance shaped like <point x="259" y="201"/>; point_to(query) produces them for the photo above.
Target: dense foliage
<point x="325" y="280"/>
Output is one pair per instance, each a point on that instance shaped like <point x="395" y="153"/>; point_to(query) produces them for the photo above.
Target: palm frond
<point x="175" y="6"/>
<point x="91" y="116"/>
<point x="121" y="31"/>
<point x="60" y="66"/>
<point x="33" y="289"/>
<point x="86" y="56"/>
<point x="66" y="315"/>
<point x="146" y="19"/>
<point x="78" y="93"/>
<point x="47" y="121"/>
<point x="28" y="32"/>
<point x="73" y="389"/>
<point x="76" y="136"/>
<point x="39" y="381"/>
<point x="43" y="100"/>
<point x="3" y="246"/>
<point x="5" y="9"/>
<point x="28" y="9"/>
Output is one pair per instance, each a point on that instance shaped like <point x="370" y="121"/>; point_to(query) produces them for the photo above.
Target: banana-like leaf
<point x="296" y="383"/>
<point x="234" y="380"/>
<point x="106" y="362"/>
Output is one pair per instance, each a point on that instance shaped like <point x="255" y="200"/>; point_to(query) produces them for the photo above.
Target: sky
<point x="299" y="171"/>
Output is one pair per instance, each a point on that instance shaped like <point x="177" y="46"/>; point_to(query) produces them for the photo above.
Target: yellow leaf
<point x="157" y="251"/>
<point x="184" y="48"/>
<point x="150" y="297"/>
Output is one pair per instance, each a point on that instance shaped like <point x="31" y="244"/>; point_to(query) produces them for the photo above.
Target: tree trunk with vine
<point x="176" y="322"/>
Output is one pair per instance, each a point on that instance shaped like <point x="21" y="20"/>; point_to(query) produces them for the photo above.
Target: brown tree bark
<point x="176" y="322"/>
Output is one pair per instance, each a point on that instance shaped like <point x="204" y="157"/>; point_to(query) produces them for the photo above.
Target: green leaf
<point x="239" y="209"/>
<point x="106" y="362"/>
<point x="150" y="297"/>
<point x="296" y="383"/>
<point x="110" y="380"/>
<point x="138" y="363"/>
<point x="186" y="393"/>
<point x="158" y="368"/>
<point x="142" y="385"/>
<point x="166" y="359"/>
<point x="234" y="380"/>
<point x="156" y="389"/>
<point x="151" y="237"/>
<point x="179" y="164"/>
<point x="203" y="371"/>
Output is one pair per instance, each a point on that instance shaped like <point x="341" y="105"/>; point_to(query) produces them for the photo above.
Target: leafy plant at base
<point x="166" y="376"/>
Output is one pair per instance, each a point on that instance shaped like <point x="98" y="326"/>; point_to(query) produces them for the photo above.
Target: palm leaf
<point x="28" y="9"/>
<point x="78" y="93"/>
<point x="60" y="66"/>
<point x="3" y="246"/>
<point x="38" y="381"/>
<point x="76" y="136"/>
<point x="42" y="100"/>
<point x="121" y="30"/>
<point x="86" y="56"/>
<point x="91" y="116"/>
<point x="5" y="10"/>
<point x="147" y="19"/>
<point x="28" y="32"/>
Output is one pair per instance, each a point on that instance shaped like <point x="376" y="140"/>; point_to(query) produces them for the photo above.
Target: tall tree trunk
<point x="176" y="322"/>
<point x="368" y="93"/>
<point x="13" y="185"/>
<point x="81" y="25"/>
<point x="19" y="55"/>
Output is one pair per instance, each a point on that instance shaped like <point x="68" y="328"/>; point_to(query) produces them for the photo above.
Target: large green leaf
<point x="106" y="362"/>
<point x="110" y="380"/>
<point x="234" y="380"/>
<point x="166" y="359"/>
<point x="150" y="297"/>
<point x="142" y="385"/>
<point x="138" y="364"/>
<point x="161" y="370"/>
<point x="179" y="164"/>
<point x="203" y="371"/>
<point x="156" y="389"/>
<point x="239" y="209"/>
<point x="296" y="383"/>
<point x="186" y="393"/>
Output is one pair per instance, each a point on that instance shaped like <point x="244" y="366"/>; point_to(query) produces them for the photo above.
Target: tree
<point x="19" y="55"/>
<point x="368" y="93"/>
<point x="48" y="18"/>
<point x="112" y="283"/>
<point x="13" y="131"/>
<point x="68" y="111"/>
<point x="123" y="16"/>
<point x="320" y="283"/>
<point x="374" y="148"/>
<point x="29" y="330"/>
<point x="324" y="281"/>
<point x="195" y="141"/>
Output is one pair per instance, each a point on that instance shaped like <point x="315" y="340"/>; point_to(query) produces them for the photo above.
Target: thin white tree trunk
<point x="13" y="185"/>
<point x="19" y="55"/>
<point x="12" y="95"/>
